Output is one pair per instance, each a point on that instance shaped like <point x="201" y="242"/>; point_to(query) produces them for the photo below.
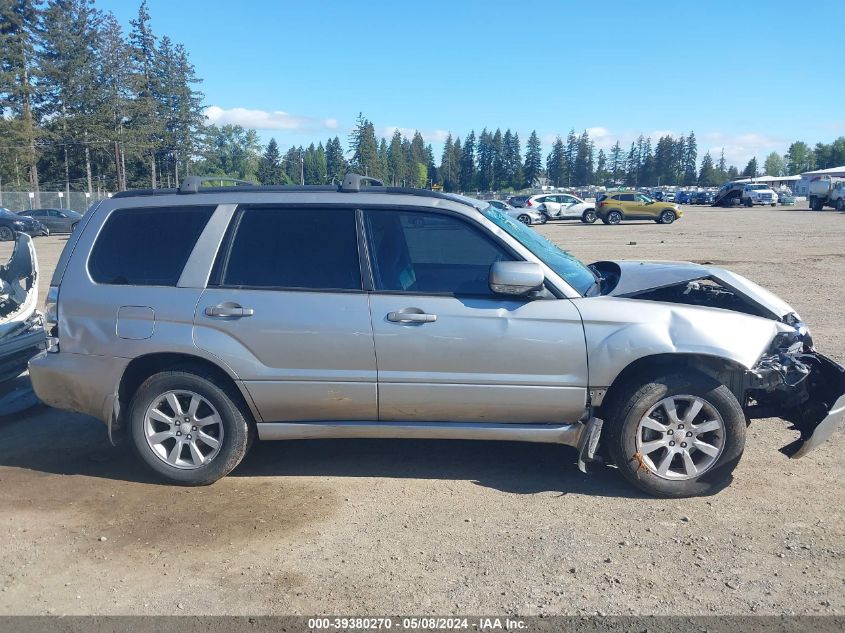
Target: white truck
<point x="755" y="193"/>
<point x="827" y="192"/>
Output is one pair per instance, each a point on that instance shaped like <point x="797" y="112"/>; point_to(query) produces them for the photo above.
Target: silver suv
<point x="193" y="320"/>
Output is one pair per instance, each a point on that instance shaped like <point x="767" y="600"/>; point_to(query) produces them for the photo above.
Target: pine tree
<point x="448" y="166"/>
<point x="601" y="176"/>
<point x="617" y="163"/>
<point x="396" y="161"/>
<point x="362" y="144"/>
<point x="335" y="161"/>
<point x="500" y="177"/>
<point x="269" y="167"/>
<point x="556" y="167"/>
<point x="570" y="154"/>
<point x="18" y="84"/>
<point x="145" y="126"/>
<point x="582" y="166"/>
<point x="468" y="163"/>
<point x="707" y="176"/>
<point x="691" y="160"/>
<point x="751" y="170"/>
<point x="115" y="92"/>
<point x="485" y="160"/>
<point x="533" y="168"/>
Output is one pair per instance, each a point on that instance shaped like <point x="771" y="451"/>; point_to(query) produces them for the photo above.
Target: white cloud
<point x="266" y="119"/>
<point x="740" y="148"/>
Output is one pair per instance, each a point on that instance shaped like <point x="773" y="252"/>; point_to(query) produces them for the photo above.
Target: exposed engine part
<point x="701" y="292"/>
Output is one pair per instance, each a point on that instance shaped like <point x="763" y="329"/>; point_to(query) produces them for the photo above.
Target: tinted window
<point x="430" y="253"/>
<point x="146" y="247"/>
<point x="294" y="248"/>
<point x="626" y="197"/>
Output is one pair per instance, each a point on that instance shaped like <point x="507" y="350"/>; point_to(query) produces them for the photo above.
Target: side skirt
<point x="568" y="434"/>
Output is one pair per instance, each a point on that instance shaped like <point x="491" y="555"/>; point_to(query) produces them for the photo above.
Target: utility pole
<point x="301" y="168"/>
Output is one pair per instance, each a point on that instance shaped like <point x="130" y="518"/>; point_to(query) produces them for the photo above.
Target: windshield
<point x="4" y="212"/>
<point x="564" y="264"/>
<point x="756" y="187"/>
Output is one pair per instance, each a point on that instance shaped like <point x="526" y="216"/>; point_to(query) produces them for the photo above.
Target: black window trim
<point x="178" y="208"/>
<point x="221" y="259"/>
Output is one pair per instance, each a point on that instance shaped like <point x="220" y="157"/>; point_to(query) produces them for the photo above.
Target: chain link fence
<point x="77" y="200"/>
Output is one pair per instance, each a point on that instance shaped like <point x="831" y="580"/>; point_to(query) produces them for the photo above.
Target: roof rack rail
<point x="192" y="184"/>
<point x="353" y="182"/>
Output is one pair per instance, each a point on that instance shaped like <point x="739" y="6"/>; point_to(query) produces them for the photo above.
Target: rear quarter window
<point x="146" y="247"/>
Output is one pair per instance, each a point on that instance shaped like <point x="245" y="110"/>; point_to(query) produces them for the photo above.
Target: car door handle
<point x="228" y="311"/>
<point x="411" y="317"/>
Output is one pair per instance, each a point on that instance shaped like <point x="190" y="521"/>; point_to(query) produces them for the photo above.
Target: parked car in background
<point x="701" y="197"/>
<point x="629" y="205"/>
<point x="668" y="196"/>
<point x="56" y="220"/>
<point x="786" y="197"/>
<point x="458" y="322"/>
<point x="657" y="195"/>
<point x="517" y="201"/>
<point x="563" y="206"/>
<point x="683" y="197"/>
<point x="12" y="223"/>
<point x="525" y="215"/>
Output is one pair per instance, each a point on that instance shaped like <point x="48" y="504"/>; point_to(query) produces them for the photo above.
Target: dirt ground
<point x="422" y="527"/>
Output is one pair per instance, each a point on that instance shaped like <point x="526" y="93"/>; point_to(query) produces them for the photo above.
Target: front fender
<point x="620" y="331"/>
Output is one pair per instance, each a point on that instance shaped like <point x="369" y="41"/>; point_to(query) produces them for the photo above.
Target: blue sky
<point x="747" y="76"/>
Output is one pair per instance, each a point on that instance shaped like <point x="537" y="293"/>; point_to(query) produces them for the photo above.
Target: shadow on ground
<point x="50" y="441"/>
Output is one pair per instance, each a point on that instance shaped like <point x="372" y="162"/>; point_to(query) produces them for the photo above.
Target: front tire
<point x="187" y="429"/>
<point x="667" y="217"/>
<point x="840" y="204"/>
<point x="679" y="435"/>
<point x="525" y="219"/>
<point x="6" y="234"/>
<point x="589" y="216"/>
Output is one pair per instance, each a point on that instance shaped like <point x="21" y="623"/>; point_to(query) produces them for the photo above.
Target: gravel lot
<point x="423" y="527"/>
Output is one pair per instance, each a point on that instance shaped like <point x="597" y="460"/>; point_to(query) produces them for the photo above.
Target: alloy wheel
<point x="183" y="429"/>
<point x="680" y="437"/>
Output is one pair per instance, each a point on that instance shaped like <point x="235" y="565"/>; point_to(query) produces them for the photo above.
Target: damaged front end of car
<point x="21" y="325"/>
<point x="790" y="380"/>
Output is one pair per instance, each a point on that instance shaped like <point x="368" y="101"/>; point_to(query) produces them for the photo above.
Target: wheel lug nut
<point x="195" y="428"/>
<point x="689" y="433"/>
<point x="683" y="444"/>
<point x="680" y="426"/>
<point x="178" y="432"/>
<point x="189" y="437"/>
<point x="670" y="432"/>
<point x="671" y="443"/>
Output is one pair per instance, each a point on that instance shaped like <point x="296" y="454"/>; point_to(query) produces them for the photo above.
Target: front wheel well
<point x="141" y="368"/>
<point x="726" y="371"/>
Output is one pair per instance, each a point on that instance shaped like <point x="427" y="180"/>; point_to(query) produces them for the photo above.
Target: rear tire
<point x="840" y="204"/>
<point x="589" y="216"/>
<point x="631" y="416"/>
<point x="614" y="217"/>
<point x="525" y="219"/>
<point x="176" y="450"/>
<point x="73" y="226"/>
<point x="747" y="202"/>
<point x="6" y="234"/>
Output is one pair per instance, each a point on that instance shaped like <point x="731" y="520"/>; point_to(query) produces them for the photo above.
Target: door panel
<point x="481" y="360"/>
<point x="448" y="348"/>
<point x="301" y="355"/>
<point x="289" y="315"/>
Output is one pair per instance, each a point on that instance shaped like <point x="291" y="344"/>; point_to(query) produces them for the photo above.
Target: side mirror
<point x="515" y="278"/>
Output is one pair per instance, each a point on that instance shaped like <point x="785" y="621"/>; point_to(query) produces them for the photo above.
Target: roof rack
<point x="192" y="184"/>
<point x="353" y="182"/>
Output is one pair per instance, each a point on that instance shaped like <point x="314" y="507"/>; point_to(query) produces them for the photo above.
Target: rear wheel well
<point x="141" y="368"/>
<point x="726" y="371"/>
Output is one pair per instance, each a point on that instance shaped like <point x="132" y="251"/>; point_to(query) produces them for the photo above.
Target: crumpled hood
<point x="639" y="276"/>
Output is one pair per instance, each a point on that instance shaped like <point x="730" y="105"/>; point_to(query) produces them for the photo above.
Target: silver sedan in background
<point x="524" y="215"/>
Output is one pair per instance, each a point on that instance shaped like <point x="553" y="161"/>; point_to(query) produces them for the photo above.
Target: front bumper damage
<point x="805" y="388"/>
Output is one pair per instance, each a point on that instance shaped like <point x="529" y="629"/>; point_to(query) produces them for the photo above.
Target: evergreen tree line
<point x="84" y="105"/>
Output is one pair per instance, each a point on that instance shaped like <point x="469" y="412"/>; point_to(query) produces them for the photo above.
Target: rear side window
<point x="315" y="249"/>
<point x="146" y="247"/>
